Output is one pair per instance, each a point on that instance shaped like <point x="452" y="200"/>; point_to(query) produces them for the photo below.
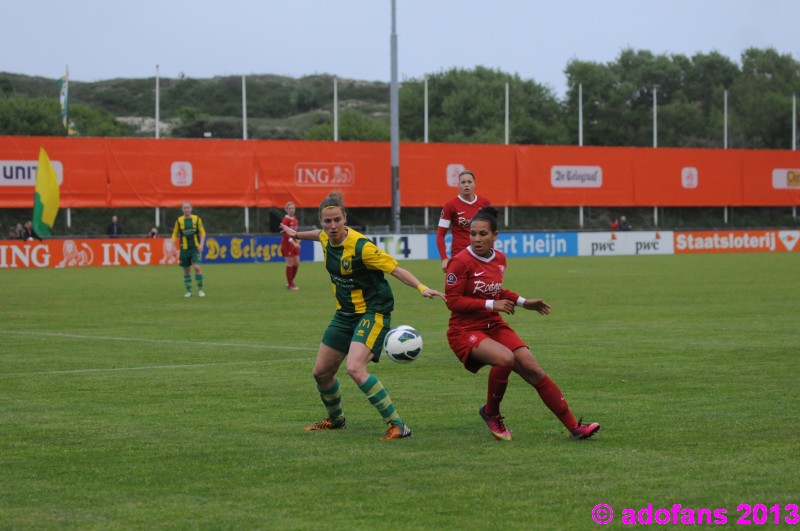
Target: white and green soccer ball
<point x="403" y="344"/>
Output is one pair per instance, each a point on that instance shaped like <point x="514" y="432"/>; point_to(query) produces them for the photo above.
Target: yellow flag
<point x="46" y="196"/>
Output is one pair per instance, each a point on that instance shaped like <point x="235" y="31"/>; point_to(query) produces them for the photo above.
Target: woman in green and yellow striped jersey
<point x="364" y="302"/>
<point x="190" y="237"/>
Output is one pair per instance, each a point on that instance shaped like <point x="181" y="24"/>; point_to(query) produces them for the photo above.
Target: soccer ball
<point x="403" y="344"/>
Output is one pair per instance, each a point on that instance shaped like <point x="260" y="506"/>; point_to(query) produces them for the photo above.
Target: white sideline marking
<point x="168" y="341"/>
<point x="152" y="367"/>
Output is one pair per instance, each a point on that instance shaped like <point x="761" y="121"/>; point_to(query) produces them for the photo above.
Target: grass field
<point x="124" y="405"/>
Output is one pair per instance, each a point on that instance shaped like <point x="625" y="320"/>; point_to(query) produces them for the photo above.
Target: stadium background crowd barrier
<point x="146" y="173"/>
<point x="249" y="249"/>
<point x="117" y="173"/>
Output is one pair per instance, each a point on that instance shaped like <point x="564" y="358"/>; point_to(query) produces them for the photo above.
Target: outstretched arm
<point x="405" y="276"/>
<point x="298" y="235"/>
<point x="537" y="304"/>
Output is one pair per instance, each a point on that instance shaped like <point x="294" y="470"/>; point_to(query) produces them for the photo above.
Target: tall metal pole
<point x="158" y="118"/>
<point x="426" y="109"/>
<point x="244" y="137"/>
<point x="655" y="141"/>
<point x="725" y="114"/>
<point x="244" y="108"/>
<point x="158" y="121"/>
<point x="580" y="139"/>
<point x="158" y="212"/>
<point x="794" y="122"/>
<point x="335" y="109"/>
<point x="65" y="101"/>
<point x="655" y="116"/>
<point x="725" y="120"/>
<point x="580" y="114"/>
<point x="426" y="134"/>
<point x="394" y="105"/>
<point x="507" y="120"/>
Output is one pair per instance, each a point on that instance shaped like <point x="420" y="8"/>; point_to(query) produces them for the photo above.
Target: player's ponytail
<point x="488" y="214"/>
<point x="334" y="199"/>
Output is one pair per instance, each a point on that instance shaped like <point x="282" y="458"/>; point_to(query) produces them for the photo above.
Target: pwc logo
<point x="333" y="174"/>
<point x="648" y="246"/>
<point x="605" y="247"/>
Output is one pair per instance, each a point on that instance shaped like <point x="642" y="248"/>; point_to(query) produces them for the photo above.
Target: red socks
<point x="291" y="272"/>
<point x="553" y="398"/>
<point x="498" y="381"/>
<point x="548" y="391"/>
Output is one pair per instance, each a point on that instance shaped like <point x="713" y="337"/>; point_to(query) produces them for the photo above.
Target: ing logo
<point x="334" y="174"/>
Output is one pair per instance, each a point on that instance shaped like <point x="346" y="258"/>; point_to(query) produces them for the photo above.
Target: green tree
<point x="353" y="125"/>
<point x="20" y="115"/>
<point x="618" y="99"/>
<point x="762" y="97"/>
<point x="469" y="106"/>
<point x="605" y="103"/>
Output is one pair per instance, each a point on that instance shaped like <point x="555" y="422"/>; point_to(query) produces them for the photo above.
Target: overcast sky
<point x="351" y="38"/>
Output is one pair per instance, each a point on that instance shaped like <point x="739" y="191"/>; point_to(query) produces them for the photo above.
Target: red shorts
<point x="288" y="249"/>
<point x="462" y="341"/>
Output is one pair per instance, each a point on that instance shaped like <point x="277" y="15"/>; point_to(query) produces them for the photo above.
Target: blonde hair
<point x="335" y="199"/>
<point x="287" y="205"/>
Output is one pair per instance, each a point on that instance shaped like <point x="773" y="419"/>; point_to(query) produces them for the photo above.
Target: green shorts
<point x="367" y="328"/>
<point x="189" y="257"/>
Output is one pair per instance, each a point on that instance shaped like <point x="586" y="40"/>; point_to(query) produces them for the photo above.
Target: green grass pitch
<point x="124" y="405"/>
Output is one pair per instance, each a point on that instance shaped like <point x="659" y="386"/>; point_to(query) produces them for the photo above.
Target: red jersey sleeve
<point x="441" y="232"/>
<point x="509" y="295"/>
<point x="289" y="222"/>
<point x="456" y="284"/>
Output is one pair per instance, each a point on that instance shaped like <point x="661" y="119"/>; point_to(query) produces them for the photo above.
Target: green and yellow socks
<point x="332" y="398"/>
<point x="376" y="394"/>
<point x="187" y="282"/>
<point x="380" y="399"/>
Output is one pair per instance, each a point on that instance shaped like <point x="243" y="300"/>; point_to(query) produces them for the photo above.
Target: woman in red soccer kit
<point x="479" y="336"/>
<point x="290" y="247"/>
<point x="456" y="215"/>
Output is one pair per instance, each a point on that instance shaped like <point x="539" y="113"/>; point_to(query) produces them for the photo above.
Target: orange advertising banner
<point x="305" y="172"/>
<point x="429" y="173"/>
<point x="80" y="167"/>
<point x="573" y="176"/>
<point x="769" y="178"/>
<point x="113" y="172"/>
<point x="737" y="241"/>
<point x="87" y="253"/>
<point x="688" y="177"/>
<point x="151" y="173"/>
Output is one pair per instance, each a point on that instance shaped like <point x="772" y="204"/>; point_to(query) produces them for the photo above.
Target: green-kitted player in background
<point x="190" y="237"/>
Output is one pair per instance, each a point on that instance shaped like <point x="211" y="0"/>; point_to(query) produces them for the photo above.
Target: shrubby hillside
<point x="464" y="105"/>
